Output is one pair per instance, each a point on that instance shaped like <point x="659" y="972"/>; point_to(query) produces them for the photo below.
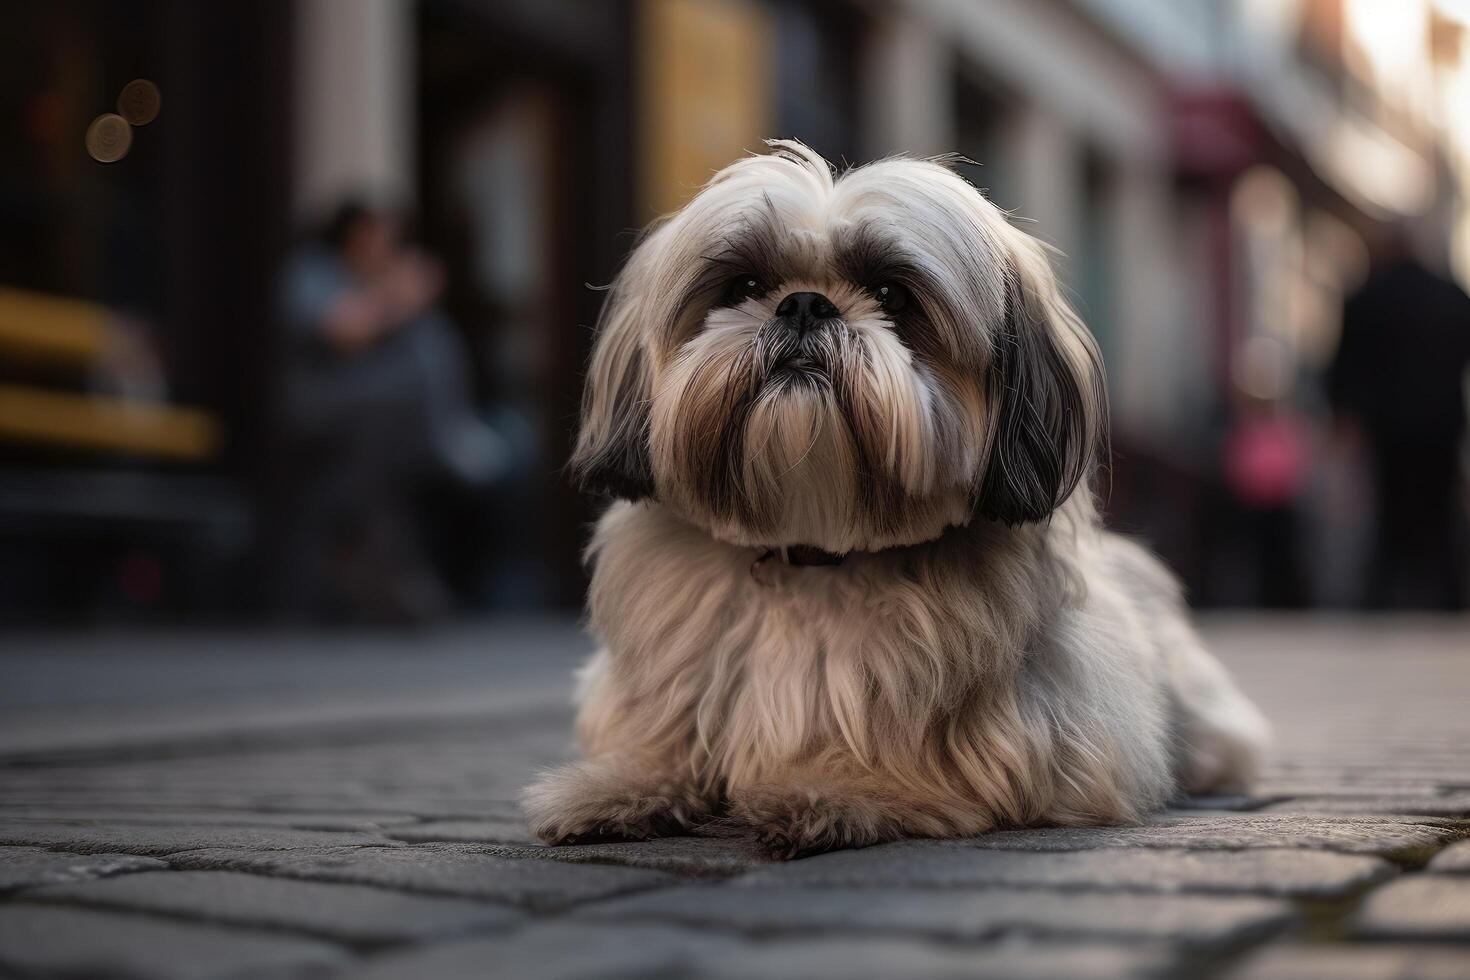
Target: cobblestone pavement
<point x="201" y="805"/>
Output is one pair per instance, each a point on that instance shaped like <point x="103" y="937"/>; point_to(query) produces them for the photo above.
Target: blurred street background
<point x="295" y="297"/>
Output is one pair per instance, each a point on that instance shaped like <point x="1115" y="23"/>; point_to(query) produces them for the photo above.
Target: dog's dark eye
<point x="892" y="297"/>
<point x="742" y="288"/>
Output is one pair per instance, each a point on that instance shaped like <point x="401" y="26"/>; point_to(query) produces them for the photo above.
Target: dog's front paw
<point x="796" y="824"/>
<point x="586" y="803"/>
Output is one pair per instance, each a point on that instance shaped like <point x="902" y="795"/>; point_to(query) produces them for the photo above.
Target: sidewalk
<point x="206" y="805"/>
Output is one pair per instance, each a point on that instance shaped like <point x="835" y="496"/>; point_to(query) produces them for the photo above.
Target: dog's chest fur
<point x="892" y="661"/>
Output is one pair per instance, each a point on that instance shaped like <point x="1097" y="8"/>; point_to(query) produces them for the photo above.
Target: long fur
<point x="986" y="656"/>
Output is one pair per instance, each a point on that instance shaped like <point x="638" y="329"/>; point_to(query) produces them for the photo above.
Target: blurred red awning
<point x="1217" y="134"/>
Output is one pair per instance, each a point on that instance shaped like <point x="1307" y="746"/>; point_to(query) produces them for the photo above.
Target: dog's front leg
<point x="811" y="813"/>
<point x="614" y="796"/>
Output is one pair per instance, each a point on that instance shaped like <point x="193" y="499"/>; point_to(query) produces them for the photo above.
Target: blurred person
<point x="378" y="408"/>
<point x="1266" y="462"/>
<point x="1397" y="384"/>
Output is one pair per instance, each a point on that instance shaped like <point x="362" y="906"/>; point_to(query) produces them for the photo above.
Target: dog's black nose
<point x="806" y="310"/>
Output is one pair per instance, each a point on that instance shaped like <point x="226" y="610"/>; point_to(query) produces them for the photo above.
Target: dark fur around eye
<point x="742" y="265"/>
<point x="741" y="288"/>
<point x="867" y="258"/>
<point x="894" y="297"/>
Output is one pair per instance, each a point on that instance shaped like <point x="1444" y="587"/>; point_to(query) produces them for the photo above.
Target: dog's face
<point x="848" y="363"/>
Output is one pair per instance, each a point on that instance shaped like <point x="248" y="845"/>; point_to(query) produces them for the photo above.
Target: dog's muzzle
<point x="797" y="340"/>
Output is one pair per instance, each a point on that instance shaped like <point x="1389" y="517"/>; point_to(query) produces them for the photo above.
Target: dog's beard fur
<point x="855" y="446"/>
<point x="986" y="656"/>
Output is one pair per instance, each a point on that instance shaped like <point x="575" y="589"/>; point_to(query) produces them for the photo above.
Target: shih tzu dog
<point x="855" y="586"/>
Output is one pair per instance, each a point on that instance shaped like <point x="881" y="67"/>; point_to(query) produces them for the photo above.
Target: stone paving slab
<point x="1445" y="805"/>
<point x="23" y="867"/>
<point x="1410" y="840"/>
<point x="596" y="951"/>
<point x="1377" y="784"/>
<point x="113" y="816"/>
<point x="130" y="687"/>
<point x="132" y="838"/>
<point x="508" y="829"/>
<point x="414" y="807"/>
<point x="356" y="914"/>
<point x="706" y="856"/>
<point x="956" y="915"/>
<point x="475" y="769"/>
<point x="1454" y="859"/>
<point x="39" y="941"/>
<point x="437" y="870"/>
<point x="1358" y="961"/>
<point x="1232" y="803"/>
<point x="1263" y="871"/>
<point x="1420" y="907"/>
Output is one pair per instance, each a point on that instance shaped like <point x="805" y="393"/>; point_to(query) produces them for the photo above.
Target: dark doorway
<point x="524" y="191"/>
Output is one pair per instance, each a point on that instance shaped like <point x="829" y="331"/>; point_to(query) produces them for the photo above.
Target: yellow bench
<point x="50" y="327"/>
<point x="73" y="331"/>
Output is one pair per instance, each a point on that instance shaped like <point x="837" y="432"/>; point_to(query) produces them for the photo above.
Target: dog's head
<point x="848" y="363"/>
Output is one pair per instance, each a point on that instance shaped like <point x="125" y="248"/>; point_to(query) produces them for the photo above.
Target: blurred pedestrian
<point x="377" y="407"/>
<point x="1398" y="385"/>
<point x="1267" y="456"/>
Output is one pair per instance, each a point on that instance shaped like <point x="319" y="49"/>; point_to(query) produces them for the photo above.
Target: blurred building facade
<point x="1208" y="169"/>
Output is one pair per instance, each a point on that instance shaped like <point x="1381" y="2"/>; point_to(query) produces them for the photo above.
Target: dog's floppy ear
<point x="611" y="456"/>
<point x="1047" y="390"/>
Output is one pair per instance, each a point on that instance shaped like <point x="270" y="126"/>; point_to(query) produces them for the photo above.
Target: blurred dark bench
<point x="129" y="544"/>
<point x="104" y="505"/>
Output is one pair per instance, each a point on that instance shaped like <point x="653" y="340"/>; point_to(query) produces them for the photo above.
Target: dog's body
<point x="920" y="409"/>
